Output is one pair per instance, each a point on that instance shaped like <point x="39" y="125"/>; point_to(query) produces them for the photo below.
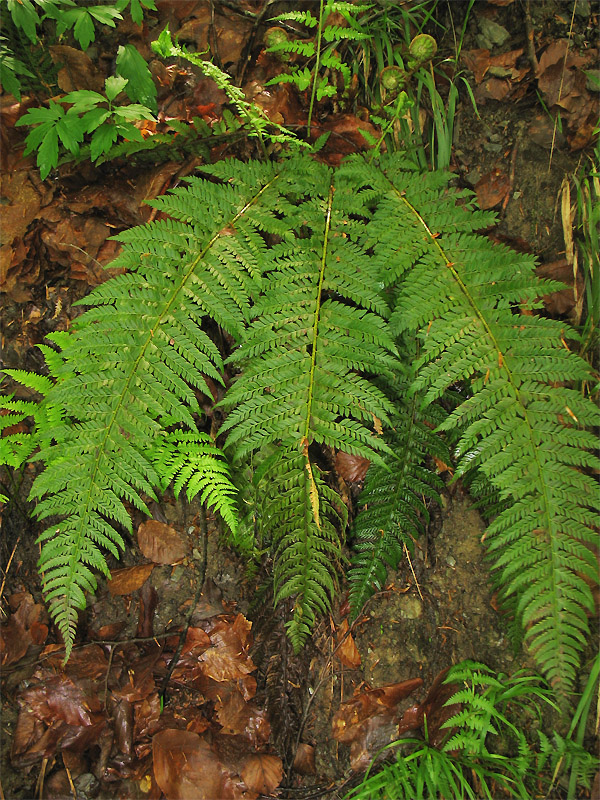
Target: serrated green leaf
<point x="84" y="30"/>
<point x="105" y="14"/>
<point x="140" y="87"/>
<point x="134" y="111"/>
<point x="37" y="116"/>
<point x="71" y="129"/>
<point x="114" y="85"/>
<point x="103" y="139"/>
<point x="25" y="17"/>
<point x="129" y="132"/>
<point x="83" y="99"/>
<point x="94" y="118"/>
<point x="47" y="157"/>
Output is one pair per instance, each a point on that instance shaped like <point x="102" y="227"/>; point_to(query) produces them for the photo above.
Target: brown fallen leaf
<point x="348" y="719"/>
<point x="185" y="766"/>
<point x="77" y="69"/>
<point x="374" y="734"/>
<point x="562" y="302"/>
<point x="25" y="626"/>
<point x="493" y="89"/>
<point x="434" y="709"/>
<point x="345" y="136"/>
<point x="129" y="579"/>
<point x="492" y="188"/>
<point x="160" y="542"/>
<point x="304" y="760"/>
<point x="262" y="773"/>
<point x="347" y="652"/>
<point x="188" y="767"/>
<point x="353" y="469"/>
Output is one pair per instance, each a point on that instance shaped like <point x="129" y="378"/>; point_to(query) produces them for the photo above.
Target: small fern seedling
<point x="323" y="61"/>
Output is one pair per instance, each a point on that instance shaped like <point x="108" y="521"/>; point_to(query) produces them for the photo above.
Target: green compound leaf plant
<point x="353" y="300"/>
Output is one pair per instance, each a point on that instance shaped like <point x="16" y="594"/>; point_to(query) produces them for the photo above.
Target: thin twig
<point x="530" y="39"/>
<point x="512" y="171"/>
<point x="12" y="555"/>
<point x="562" y="80"/>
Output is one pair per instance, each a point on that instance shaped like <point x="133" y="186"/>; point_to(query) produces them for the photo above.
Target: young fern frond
<point x="393" y="512"/>
<point x="130" y="369"/>
<point x="461" y="294"/>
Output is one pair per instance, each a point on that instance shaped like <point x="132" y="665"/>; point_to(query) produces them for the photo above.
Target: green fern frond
<point x="393" y="510"/>
<point x="191" y="460"/>
<point x="318" y="332"/>
<point x="462" y="293"/>
<point x="304" y="17"/>
<point x="317" y="324"/>
<point x="305" y="517"/>
<point x="335" y="33"/>
<point x="130" y="367"/>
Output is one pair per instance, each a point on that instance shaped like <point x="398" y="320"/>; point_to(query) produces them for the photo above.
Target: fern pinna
<point x="301" y="265"/>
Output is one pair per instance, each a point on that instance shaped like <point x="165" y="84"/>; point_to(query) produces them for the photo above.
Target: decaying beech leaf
<point x="262" y="772"/>
<point x="160" y="542"/>
<point x="129" y="579"/>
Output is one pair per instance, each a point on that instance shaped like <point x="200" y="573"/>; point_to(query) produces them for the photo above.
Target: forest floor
<point x="265" y="718"/>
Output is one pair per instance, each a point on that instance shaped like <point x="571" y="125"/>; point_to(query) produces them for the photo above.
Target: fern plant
<point x="461" y="295"/>
<point x="318" y="322"/>
<point x="326" y="280"/>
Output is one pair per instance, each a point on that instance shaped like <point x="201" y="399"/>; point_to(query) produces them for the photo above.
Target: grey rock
<point x="492" y="34"/>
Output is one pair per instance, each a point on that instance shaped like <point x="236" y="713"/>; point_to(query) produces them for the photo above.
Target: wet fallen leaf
<point x="353" y="469"/>
<point x="25" y="626"/>
<point x="562" y="80"/>
<point x="21" y="203"/>
<point x="562" y="302"/>
<point x="57" y="696"/>
<point x="347" y="720"/>
<point x="77" y="69"/>
<point x="345" y="136"/>
<point x="304" y="760"/>
<point x="14" y="641"/>
<point x="262" y="773"/>
<point x="493" y="89"/>
<point x="347" y="652"/>
<point x="433" y="707"/>
<point x="129" y="579"/>
<point x="185" y="766"/>
<point x="374" y="734"/>
<point x="160" y="542"/>
<point x="492" y="188"/>
<point x="195" y="638"/>
<point x="228" y="658"/>
<point x="138" y="681"/>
